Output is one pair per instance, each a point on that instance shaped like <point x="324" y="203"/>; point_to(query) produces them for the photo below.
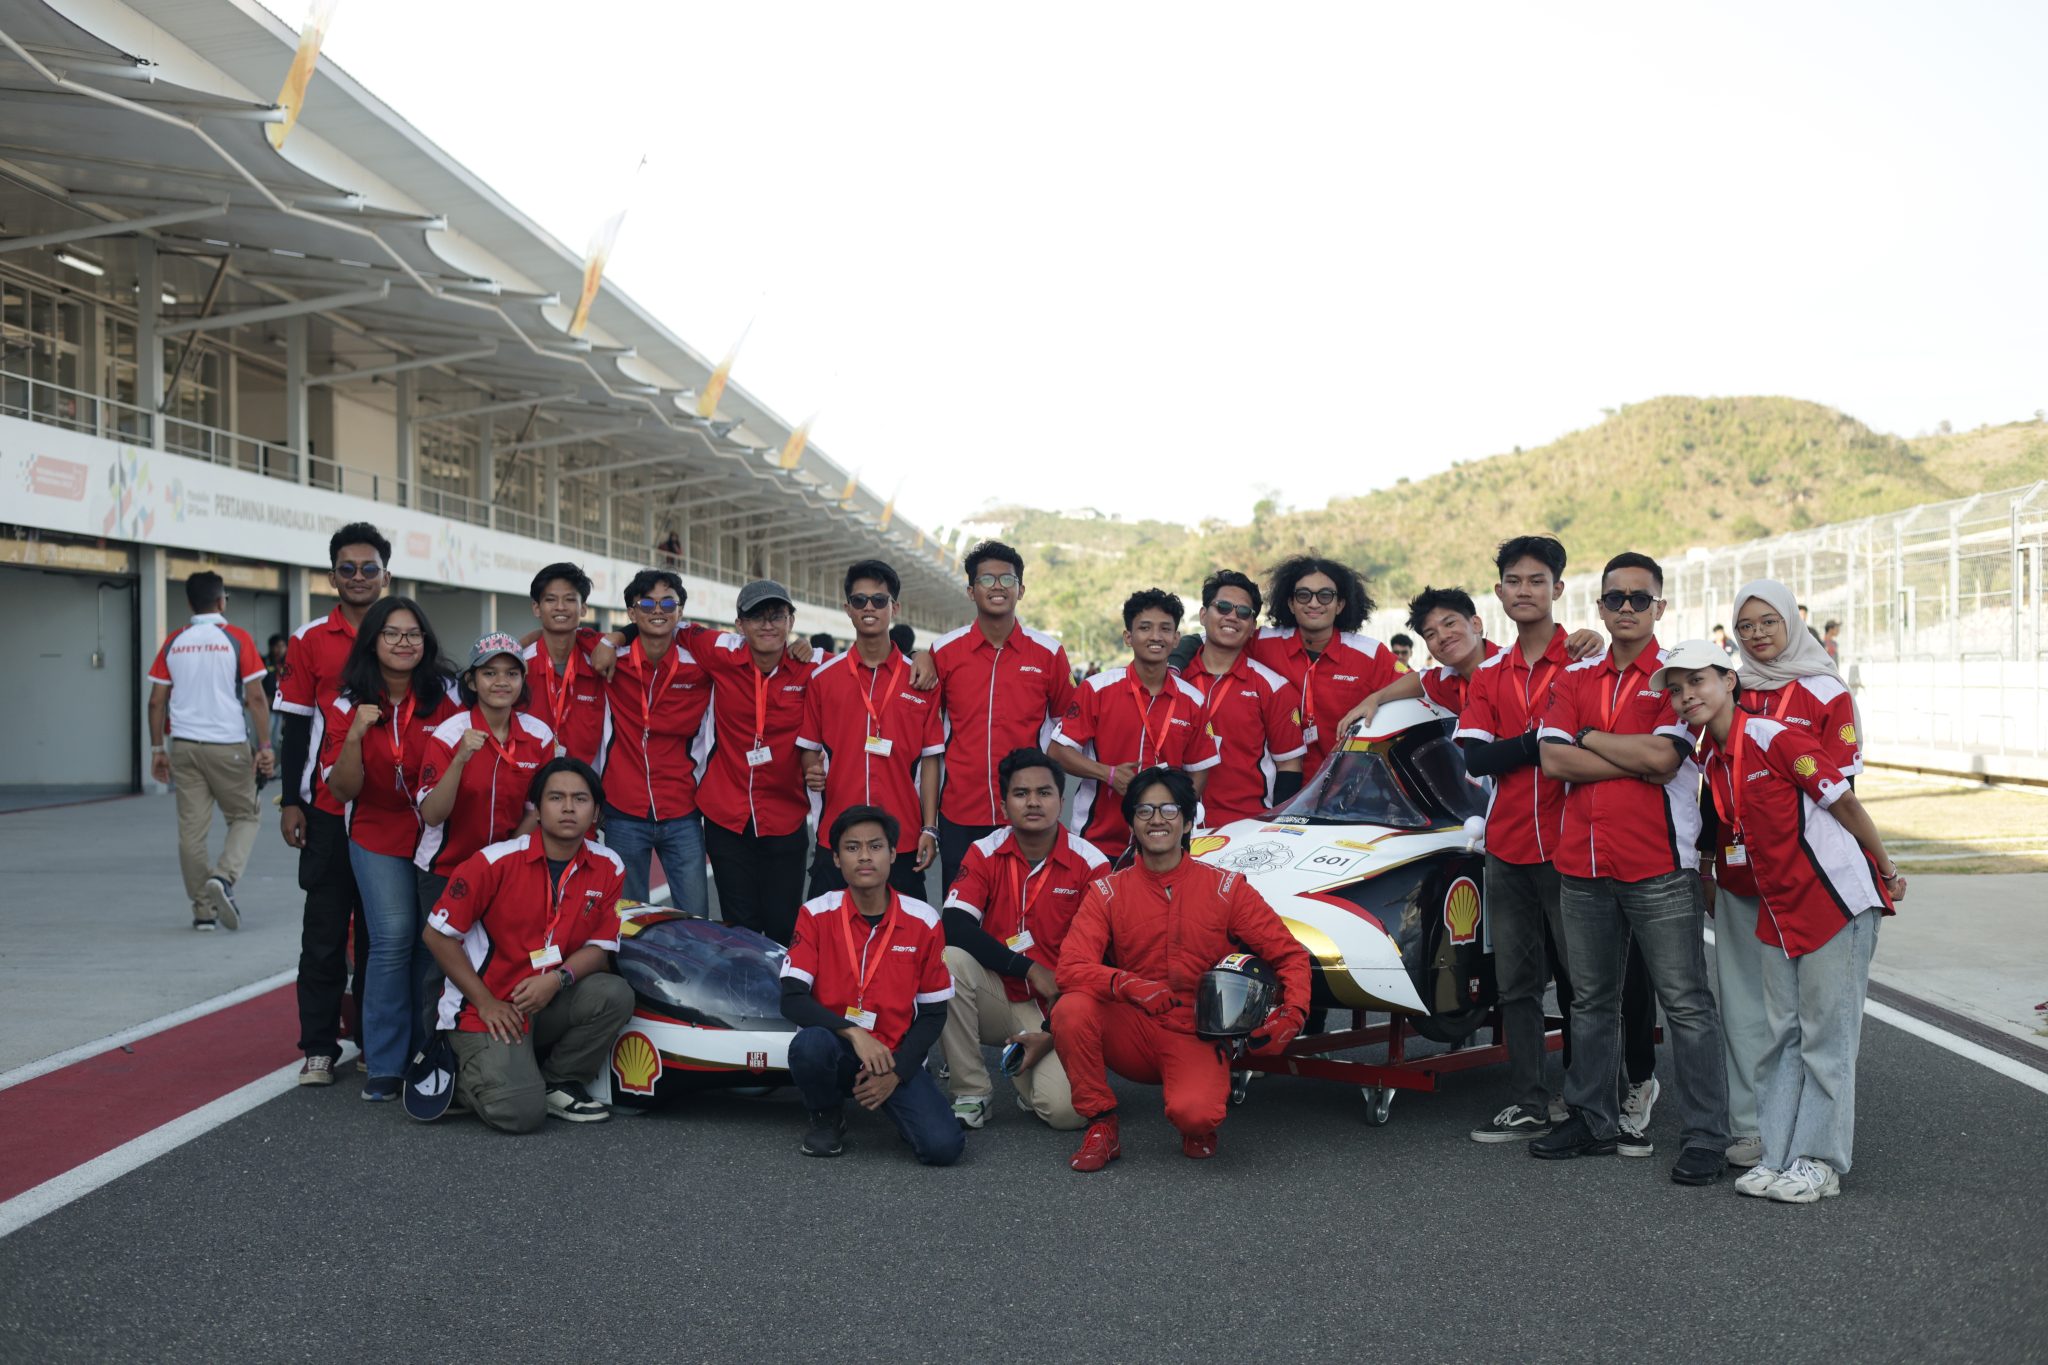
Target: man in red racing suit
<point x="1130" y="964"/>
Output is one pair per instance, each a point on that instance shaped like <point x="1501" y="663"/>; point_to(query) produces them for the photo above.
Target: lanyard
<point x="562" y="682"/>
<point x="865" y="972"/>
<point x="1539" y="680"/>
<point x="1614" y="696"/>
<point x="668" y="676"/>
<point x="868" y="698"/>
<point x="1734" y="758"/>
<point x="477" y="721"/>
<point x="401" y="721"/>
<point x="761" y="703"/>
<point x="561" y="891"/>
<point x="1219" y="685"/>
<point x="1308" y="692"/>
<point x="1020" y="883"/>
<point x="1143" y="704"/>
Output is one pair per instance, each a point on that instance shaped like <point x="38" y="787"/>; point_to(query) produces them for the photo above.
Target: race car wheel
<point x="1379" y="1103"/>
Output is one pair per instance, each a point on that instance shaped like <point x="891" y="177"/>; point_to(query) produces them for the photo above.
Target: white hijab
<point x="1802" y="657"/>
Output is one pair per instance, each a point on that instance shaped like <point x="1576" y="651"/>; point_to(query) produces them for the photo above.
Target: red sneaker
<point x="1099" y="1147"/>
<point x="1198" y="1146"/>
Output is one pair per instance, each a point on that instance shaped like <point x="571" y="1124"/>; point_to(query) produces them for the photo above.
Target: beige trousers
<point x="981" y="1013"/>
<point x="205" y="776"/>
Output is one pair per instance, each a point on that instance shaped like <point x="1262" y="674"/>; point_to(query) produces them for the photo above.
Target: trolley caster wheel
<point x="1379" y="1103"/>
<point x="1240" y="1085"/>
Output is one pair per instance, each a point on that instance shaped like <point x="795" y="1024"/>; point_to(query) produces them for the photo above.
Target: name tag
<point x="550" y="956"/>
<point x="880" y="747"/>
<point x="561" y="750"/>
<point x="861" y="1018"/>
<point x="757" y="757"/>
<point x="1308" y="734"/>
<point x="1022" y="941"/>
<point x="1735" y="855"/>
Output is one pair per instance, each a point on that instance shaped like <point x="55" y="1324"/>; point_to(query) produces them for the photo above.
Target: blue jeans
<point x="395" y="991"/>
<point x="679" y="843"/>
<point x="1664" y="916"/>
<point x="822" y="1064"/>
<point x="1806" y="1081"/>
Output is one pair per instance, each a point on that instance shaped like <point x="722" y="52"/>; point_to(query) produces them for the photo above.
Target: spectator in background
<point x="1403" y="645"/>
<point x="273" y="672"/>
<point x="1831" y="641"/>
<point x="822" y="647"/>
<point x="204" y="678"/>
<point x="905" y="640"/>
<point x="1722" y="642"/>
<point x="1805" y="621"/>
<point x="670" y="549"/>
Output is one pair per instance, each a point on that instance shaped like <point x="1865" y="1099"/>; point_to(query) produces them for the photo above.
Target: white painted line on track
<point x="57" y="1061"/>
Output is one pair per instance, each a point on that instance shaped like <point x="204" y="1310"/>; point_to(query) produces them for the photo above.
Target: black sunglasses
<point x="1308" y="595"/>
<point x="861" y="600"/>
<point x="1636" y="601"/>
<point x="1241" y="610"/>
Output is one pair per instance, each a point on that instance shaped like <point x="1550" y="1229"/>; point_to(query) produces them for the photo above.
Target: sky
<point x="1162" y="260"/>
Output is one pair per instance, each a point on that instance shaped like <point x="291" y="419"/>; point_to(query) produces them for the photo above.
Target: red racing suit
<point x="1170" y="928"/>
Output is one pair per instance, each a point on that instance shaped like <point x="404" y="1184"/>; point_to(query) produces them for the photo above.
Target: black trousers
<point x="333" y="905"/>
<point x="1638" y="1012"/>
<point x="903" y="875"/>
<point x="760" y="877"/>
<point x="954" y="841"/>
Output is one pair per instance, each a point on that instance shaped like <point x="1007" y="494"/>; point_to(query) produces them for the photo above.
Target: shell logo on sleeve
<point x="635" y="1063"/>
<point x="1805" y="766"/>
<point x="1848" y="732"/>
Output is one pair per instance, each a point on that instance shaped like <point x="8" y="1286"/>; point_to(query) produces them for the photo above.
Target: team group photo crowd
<point x="472" y="820"/>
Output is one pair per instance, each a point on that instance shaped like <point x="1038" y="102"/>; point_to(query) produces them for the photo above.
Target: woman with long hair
<point x="395" y="689"/>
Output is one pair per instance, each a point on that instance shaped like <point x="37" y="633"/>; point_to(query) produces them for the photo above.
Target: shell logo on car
<point x="1461" y="910"/>
<point x="1207" y="843"/>
<point x="635" y="1063"/>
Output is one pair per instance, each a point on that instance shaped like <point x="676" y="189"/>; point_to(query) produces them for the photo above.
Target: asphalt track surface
<point x="315" y="1226"/>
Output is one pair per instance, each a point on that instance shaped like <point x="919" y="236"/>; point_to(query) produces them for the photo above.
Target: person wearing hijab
<point x="1787" y="677"/>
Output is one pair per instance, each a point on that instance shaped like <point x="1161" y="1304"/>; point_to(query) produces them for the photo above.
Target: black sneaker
<point x="569" y="1100"/>
<point x="822" y="1138"/>
<point x="1698" y="1166"/>
<point x="1574" y="1137"/>
<point x="1516" y="1123"/>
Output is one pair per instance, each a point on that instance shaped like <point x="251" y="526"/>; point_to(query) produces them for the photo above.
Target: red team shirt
<point x="1103" y="722"/>
<point x="383" y="818"/>
<point x="206" y="665"/>
<point x="996" y="698"/>
<point x="499" y="903"/>
<point x="1446" y="687"/>
<point x="490" y="798"/>
<point x="1250" y="712"/>
<point x="1350" y="668"/>
<point x="1624" y="829"/>
<point x="574" y="716"/>
<point x="1027" y="908"/>
<point x="751" y="711"/>
<point x="848" y="702"/>
<point x="653" y="714"/>
<point x="1505" y="697"/>
<point x="888" y="968"/>
<point x="1810" y="873"/>
<point x="313" y="660"/>
<point x="1818" y="707"/>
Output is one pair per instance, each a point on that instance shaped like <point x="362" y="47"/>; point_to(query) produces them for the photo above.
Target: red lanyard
<point x="1614" y="696"/>
<point x="865" y="970"/>
<point x="868" y="698"/>
<point x="1144" y="705"/>
<point x="761" y="704"/>
<point x="1020" y="883"/>
<point x="1308" y="694"/>
<point x="1539" y="680"/>
<point x="562" y="684"/>
<point x="668" y="676"/>
<point x="561" y="890"/>
<point x="1218" y="688"/>
<point x="1734" y="757"/>
<point x="401" y="721"/>
<point x="476" y="719"/>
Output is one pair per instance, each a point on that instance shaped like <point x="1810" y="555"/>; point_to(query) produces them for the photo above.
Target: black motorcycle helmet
<point x="1234" y="997"/>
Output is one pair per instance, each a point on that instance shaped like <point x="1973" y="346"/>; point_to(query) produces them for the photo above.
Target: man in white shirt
<point x="204" y="678"/>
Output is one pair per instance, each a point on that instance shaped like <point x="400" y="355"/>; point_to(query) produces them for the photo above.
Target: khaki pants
<point x="979" y="1013"/>
<point x="506" y="1083"/>
<point x="205" y="776"/>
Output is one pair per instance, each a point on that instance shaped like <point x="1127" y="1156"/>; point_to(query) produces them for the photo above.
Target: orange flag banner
<point x="292" y="97"/>
<point x="601" y="243"/>
<point x="793" y="448"/>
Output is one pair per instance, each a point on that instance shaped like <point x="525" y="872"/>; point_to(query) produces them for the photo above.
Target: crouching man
<point x="866" y="985"/>
<point x="525" y="930"/>
<point x="1006" y="916"/>
<point x="1164" y="922"/>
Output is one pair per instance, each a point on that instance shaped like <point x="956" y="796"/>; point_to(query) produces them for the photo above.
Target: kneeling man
<point x="1163" y="921"/>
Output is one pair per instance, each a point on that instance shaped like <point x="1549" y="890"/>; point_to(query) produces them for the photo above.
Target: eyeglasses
<point x="657" y="604"/>
<point x="1635" y="601"/>
<point x="1304" y="596"/>
<point x="778" y="617"/>
<point x="1242" y="610"/>
<point x="1165" y="810"/>
<point x="392" y="635"/>
<point x="1768" y="625"/>
<point x="998" y="580"/>
<point x="368" y="569"/>
<point x="860" y="600"/>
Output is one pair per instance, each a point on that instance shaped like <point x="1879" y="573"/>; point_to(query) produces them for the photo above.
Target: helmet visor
<point x="1231" y="1004"/>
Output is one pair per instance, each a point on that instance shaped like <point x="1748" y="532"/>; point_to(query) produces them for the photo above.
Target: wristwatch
<point x="568" y="977"/>
<point x="932" y="830"/>
<point x="1579" y="739"/>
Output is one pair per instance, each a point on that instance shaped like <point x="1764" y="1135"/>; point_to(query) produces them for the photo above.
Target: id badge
<point x="880" y="747"/>
<point x="1308" y="734"/>
<point x="561" y="749"/>
<point x="1022" y="941"/>
<point x="1735" y="855"/>
<point x="550" y="956"/>
<point x="758" y="757"/>
<point x="862" y="1018"/>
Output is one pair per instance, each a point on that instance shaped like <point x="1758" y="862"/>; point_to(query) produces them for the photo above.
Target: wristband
<point x="263" y="748"/>
<point x="568" y="977"/>
<point x="1579" y="739"/>
<point x="932" y="830"/>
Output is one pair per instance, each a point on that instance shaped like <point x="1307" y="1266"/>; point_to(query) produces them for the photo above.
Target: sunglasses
<point x="1634" y="601"/>
<point x="657" y="604"/>
<point x="1242" y="611"/>
<point x="1304" y="596"/>
<point x="1165" y="810"/>
<point x="368" y="569"/>
<point x="998" y="580"/>
<point x="861" y="600"/>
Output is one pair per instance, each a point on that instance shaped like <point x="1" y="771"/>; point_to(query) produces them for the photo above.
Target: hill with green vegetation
<point x="1661" y="476"/>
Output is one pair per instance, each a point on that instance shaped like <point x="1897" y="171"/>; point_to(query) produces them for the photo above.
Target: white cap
<point x="1688" y="656"/>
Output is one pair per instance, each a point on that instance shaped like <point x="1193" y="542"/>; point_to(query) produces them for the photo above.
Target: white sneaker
<point x="1745" y="1151"/>
<point x="1559" y="1110"/>
<point x="971" y="1110"/>
<point x="1635" y="1109"/>
<point x="1806" y="1181"/>
<point x="1756" y="1182"/>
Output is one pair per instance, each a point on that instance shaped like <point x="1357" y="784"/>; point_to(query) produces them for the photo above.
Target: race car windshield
<point x="705" y="973"/>
<point x="1358" y="788"/>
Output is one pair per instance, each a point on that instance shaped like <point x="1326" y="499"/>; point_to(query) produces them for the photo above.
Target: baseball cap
<point x="430" y="1079"/>
<point x="491" y="646"/>
<point x="761" y="592"/>
<point x="1688" y="656"/>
